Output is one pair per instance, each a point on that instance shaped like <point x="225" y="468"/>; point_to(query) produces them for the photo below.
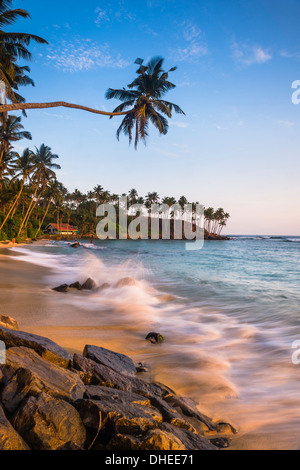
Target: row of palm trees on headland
<point x="31" y="197"/>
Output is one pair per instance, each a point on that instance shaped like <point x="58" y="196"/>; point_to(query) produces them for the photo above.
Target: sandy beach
<point x="26" y="295"/>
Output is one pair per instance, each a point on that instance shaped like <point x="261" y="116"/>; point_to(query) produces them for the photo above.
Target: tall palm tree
<point x="53" y="194"/>
<point x="23" y="166"/>
<point x="44" y="173"/>
<point x="11" y="130"/>
<point x="145" y="97"/>
<point x="13" y="46"/>
<point x="132" y="196"/>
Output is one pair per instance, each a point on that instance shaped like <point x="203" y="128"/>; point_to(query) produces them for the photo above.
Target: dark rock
<point x="6" y="372"/>
<point x="126" y="281"/>
<point x="121" y="412"/>
<point x="54" y="380"/>
<point x="21" y="384"/>
<point x="225" y="428"/>
<point x="43" y="346"/>
<point x="154" y="338"/>
<point x="75" y="245"/>
<point x="9" y="438"/>
<point x="220" y="442"/>
<point x="189" y="408"/>
<point x="47" y="423"/>
<point x="98" y="374"/>
<point x="89" y="284"/>
<point x="142" y="368"/>
<point x="170" y="415"/>
<point x="8" y="322"/>
<point x="190" y="440"/>
<point x="75" y="285"/>
<point x="62" y="288"/>
<point x="116" y="361"/>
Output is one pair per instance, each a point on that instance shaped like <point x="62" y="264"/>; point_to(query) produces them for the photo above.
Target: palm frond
<point x="122" y="94"/>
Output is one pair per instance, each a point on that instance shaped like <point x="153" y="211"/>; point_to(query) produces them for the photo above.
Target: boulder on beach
<point x="8" y="322"/>
<point x="121" y="412"/>
<point x="47" y="423"/>
<point x="62" y="288"/>
<point x="154" y="338"/>
<point x="142" y="368"/>
<point x="89" y="284"/>
<point x="75" y="285"/>
<point x="9" y="438"/>
<point x="43" y="346"/>
<point x="99" y="374"/>
<point x="116" y="361"/>
<point x="44" y="376"/>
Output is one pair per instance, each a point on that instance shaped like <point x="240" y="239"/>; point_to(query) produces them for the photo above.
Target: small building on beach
<point x="62" y="229"/>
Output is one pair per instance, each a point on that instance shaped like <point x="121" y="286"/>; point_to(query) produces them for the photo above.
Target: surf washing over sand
<point x="229" y="314"/>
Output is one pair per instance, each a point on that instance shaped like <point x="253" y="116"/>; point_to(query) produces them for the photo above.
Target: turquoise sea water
<point x="229" y="312"/>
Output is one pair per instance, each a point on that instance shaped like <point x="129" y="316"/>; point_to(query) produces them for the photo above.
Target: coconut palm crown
<point x="144" y="97"/>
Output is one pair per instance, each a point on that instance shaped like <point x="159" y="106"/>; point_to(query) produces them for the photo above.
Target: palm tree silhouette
<point x="145" y="97"/>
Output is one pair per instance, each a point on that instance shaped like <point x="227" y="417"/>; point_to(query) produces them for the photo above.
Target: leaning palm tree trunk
<point x="56" y="104"/>
<point x="40" y="226"/>
<point x="33" y="207"/>
<point x="28" y="210"/>
<point x="12" y="207"/>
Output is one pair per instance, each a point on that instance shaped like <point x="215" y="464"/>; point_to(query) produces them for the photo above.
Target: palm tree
<point x="145" y="96"/>
<point x="23" y="166"/>
<point x="52" y="194"/>
<point x="182" y="201"/>
<point x="11" y="130"/>
<point x="13" y="46"/>
<point x="77" y="197"/>
<point x="44" y="165"/>
<point x="132" y="196"/>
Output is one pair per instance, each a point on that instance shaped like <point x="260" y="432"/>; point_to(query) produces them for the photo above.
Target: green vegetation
<point x="30" y="194"/>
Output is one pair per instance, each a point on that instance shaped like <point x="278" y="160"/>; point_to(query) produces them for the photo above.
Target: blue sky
<point x="238" y="145"/>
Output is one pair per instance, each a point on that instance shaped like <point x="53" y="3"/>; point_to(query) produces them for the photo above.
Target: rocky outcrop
<point x="9" y="438"/>
<point x="89" y="284"/>
<point x="93" y="401"/>
<point x="34" y="374"/>
<point x="98" y="374"/>
<point x="116" y="361"/>
<point x="8" y="322"/>
<point x="42" y="346"/>
<point x="48" y="424"/>
<point x="62" y="288"/>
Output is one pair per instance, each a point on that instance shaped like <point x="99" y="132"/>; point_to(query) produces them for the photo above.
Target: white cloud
<point x="249" y="55"/>
<point x="289" y="55"/>
<point x="109" y="14"/>
<point x="82" y="55"/>
<point x="285" y="123"/>
<point x="194" y="47"/>
<point x="181" y="125"/>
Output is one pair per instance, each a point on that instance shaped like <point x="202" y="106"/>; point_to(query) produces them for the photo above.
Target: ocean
<point x="229" y="314"/>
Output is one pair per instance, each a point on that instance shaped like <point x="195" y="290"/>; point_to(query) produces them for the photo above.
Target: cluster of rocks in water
<point x="51" y="400"/>
<point x="90" y="284"/>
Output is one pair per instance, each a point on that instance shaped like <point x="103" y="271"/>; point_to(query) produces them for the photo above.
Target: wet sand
<point x="26" y="295"/>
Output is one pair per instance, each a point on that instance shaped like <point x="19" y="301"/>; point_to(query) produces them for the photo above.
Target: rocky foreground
<point x="50" y="400"/>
